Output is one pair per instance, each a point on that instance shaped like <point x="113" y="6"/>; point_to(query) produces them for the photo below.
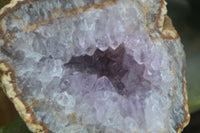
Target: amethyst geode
<point x="93" y="66"/>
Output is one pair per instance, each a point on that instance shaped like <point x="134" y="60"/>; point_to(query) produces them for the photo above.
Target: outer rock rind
<point x="163" y="23"/>
<point x="164" y="27"/>
<point x="14" y="4"/>
<point x="21" y="106"/>
<point x="8" y="84"/>
<point x="185" y="108"/>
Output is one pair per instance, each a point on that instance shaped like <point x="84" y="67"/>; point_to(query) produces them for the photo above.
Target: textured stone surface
<point x="94" y="66"/>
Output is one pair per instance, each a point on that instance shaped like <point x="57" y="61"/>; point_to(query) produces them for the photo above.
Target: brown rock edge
<point x="9" y="87"/>
<point x="163" y="26"/>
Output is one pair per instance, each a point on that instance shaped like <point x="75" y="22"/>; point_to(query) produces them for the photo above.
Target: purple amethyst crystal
<point x="99" y="66"/>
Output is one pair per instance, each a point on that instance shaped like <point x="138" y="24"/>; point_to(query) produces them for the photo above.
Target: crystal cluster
<point x="97" y="66"/>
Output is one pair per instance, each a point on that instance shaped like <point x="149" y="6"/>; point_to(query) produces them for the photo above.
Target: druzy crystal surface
<point x="99" y="66"/>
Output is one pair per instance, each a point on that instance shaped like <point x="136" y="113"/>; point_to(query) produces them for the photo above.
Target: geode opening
<point x="93" y="66"/>
<point x="108" y="66"/>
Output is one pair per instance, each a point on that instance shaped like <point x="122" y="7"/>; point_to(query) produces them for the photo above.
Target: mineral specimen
<point x="93" y="66"/>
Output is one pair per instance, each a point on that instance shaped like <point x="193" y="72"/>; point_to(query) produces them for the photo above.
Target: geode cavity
<point x="93" y="66"/>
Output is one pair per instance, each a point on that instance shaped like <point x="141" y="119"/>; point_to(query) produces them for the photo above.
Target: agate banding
<point x="111" y="66"/>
